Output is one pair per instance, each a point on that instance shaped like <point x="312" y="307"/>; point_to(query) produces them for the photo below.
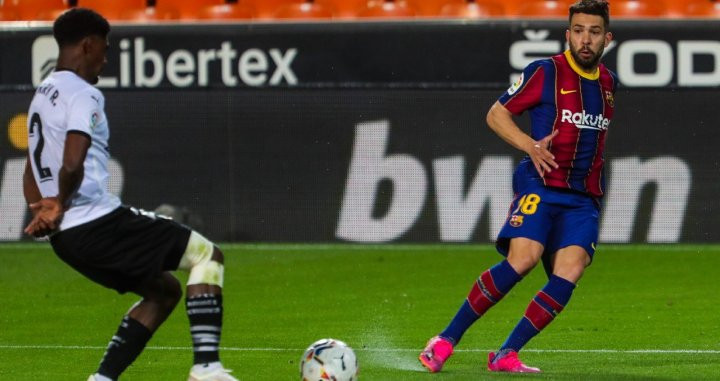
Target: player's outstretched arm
<point x="500" y="121"/>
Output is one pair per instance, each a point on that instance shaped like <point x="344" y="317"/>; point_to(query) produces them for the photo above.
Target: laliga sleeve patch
<point x="94" y="120"/>
<point x="515" y="86"/>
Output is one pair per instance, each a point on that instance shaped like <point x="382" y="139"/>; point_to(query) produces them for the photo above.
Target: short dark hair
<point x="592" y="7"/>
<point x="77" y="23"/>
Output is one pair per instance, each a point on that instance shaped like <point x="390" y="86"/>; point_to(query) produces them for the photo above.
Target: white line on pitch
<point x="622" y="351"/>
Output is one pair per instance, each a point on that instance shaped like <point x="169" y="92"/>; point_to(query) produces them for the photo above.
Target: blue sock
<point x="546" y="304"/>
<point x="489" y="288"/>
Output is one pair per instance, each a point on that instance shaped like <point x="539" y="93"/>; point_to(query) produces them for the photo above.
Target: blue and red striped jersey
<point x="560" y="96"/>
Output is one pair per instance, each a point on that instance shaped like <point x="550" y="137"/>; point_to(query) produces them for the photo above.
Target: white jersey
<point x="65" y="103"/>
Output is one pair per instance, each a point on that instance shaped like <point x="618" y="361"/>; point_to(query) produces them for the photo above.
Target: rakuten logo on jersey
<point x="585" y="120"/>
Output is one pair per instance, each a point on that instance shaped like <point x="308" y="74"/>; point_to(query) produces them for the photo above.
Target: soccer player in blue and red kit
<point x="558" y="185"/>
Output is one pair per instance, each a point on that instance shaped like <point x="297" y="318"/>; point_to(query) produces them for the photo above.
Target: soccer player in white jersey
<point x="119" y="247"/>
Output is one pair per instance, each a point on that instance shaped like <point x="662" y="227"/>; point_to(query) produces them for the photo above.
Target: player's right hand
<point x="47" y="214"/>
<point x="541" y="157"/>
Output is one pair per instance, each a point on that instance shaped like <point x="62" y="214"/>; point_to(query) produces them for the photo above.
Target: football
<point x="329" y="359"/>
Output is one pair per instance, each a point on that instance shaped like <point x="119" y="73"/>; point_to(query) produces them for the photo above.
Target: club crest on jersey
<point x="516" y="220"/>
<point x="610" y="98"/>
<point x="515" y="86"/>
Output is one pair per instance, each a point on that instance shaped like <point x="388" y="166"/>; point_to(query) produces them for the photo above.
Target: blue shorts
<point x="555" y="217"/>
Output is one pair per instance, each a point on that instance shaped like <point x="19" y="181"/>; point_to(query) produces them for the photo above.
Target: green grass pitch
<point x="640" y="313"/>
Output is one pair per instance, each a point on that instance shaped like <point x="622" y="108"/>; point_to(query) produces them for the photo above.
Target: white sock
<point x="204" y="368"/>
<point x="100" y="377"/>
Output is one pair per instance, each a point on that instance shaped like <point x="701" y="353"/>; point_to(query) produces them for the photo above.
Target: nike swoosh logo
<point x="563" y="91"/>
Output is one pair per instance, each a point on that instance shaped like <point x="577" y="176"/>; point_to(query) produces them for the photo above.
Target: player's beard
<point x="590" y="63"/>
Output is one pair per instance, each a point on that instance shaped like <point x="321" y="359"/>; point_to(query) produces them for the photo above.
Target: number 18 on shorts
<point x="555" y="218"/>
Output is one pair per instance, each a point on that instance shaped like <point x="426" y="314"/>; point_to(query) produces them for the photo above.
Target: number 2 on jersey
<point x="36" y="123"/>
<point x="528" y="204"/>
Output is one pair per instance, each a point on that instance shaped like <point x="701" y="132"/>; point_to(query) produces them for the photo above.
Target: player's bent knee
<point x="199" y="249"/>
<point x="207" y="273"/>
<point x="200" y="258"/>
<point x="522" y="264"/>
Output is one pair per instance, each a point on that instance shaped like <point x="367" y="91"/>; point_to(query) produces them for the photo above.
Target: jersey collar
<point x="591" y="76"/>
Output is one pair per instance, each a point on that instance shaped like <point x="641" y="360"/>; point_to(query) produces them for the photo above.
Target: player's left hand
<point x="47" y="214"/>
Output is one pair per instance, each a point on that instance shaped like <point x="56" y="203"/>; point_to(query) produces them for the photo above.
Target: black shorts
<point x="124" y="248"/>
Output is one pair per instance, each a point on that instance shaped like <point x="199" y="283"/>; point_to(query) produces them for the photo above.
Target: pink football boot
<point x="509" y="363"/>
<point x="435" y="354"/>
